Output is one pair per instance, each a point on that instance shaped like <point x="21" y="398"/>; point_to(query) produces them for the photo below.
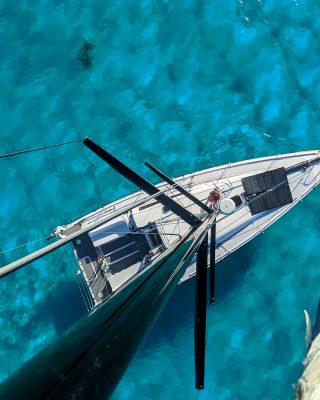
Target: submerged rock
<point x="85" y="54"/>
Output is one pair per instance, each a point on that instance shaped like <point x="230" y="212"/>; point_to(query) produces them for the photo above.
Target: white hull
<point x="233" y="231"/>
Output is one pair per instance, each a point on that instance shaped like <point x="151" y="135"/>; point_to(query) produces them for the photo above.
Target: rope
<point x="75" y="277"/>
<point x="15" y="153"/>
<point x="123" y="154"/>
<point x="23" y="245"/>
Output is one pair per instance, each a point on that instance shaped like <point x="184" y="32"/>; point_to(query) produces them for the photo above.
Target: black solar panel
<point x="257" y="184"/>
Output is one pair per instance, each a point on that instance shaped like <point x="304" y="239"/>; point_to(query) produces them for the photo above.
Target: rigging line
<point x="132" y="158"/>
<point x="75" y="277"/>
<point x="38" y="148"/>
<point x="101" y="209"/>
<point x="85" y="293"/>
<point x="23" y="245"/>
<point x="123" y="154"/>
<point x="72" y="264"/>
<point x="83" y="298"/>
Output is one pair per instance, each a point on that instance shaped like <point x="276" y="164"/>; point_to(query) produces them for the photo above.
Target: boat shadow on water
<point x="64" y="306"/>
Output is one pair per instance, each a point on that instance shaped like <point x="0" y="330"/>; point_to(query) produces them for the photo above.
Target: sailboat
<point x="133" y="252"/>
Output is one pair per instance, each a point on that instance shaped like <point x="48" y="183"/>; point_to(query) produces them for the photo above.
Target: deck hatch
<point x="260" y="183"/>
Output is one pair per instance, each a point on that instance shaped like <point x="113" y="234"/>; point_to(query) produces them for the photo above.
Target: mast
<point x="213" y="232"/>
<point x="90" y="358"/>
<point x="200" y="313"/>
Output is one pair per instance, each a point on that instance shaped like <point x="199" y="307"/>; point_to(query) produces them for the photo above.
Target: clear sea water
<point x="185" y="85"/>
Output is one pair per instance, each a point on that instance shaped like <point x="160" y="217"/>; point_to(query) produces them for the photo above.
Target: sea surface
<point x="185" y="85"/>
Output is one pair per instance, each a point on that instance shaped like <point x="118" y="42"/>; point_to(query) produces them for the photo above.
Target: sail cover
<point x="257" y="184"/>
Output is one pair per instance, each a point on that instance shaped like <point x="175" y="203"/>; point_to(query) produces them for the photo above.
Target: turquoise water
<point x="185" y="85"/>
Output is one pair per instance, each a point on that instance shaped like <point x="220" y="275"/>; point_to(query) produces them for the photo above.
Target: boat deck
<point x="124" y="251"/>
<point x="109" y="261"/>
<point x="241" y="181"/>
